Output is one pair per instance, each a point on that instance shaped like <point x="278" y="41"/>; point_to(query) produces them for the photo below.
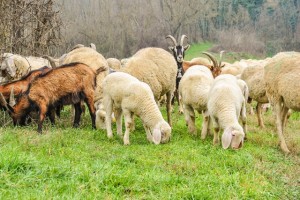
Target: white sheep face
<point x="165" y="132"/>
<point x="233" y="138"/>
<point x="9" y="66"/>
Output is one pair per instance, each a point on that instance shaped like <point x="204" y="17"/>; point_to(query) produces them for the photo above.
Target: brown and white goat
<point x="68" y="84"/>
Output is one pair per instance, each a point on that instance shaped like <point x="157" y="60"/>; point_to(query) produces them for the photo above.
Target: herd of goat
<point x="134" y="86"/>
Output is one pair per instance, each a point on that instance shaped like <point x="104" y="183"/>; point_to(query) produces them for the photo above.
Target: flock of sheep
<point x="134" y="86"/>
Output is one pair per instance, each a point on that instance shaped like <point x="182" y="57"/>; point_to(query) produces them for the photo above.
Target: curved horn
<point x="51" y="60"/>
<point x="221" y="58"/>
<point x="4" y="103"/>
<point x="173" y="39"/>
<point x="12" y="100"/>
<point x="182" y="39"/>
<point x="211" y="58"/>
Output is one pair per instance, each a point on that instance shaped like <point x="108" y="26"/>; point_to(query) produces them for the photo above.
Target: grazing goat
<point x="68" y="84"/>
<point x="16" y="88"/>
<point x="178" y="53"/>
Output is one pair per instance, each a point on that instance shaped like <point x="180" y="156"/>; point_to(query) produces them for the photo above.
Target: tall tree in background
<point x="29" y="27"/>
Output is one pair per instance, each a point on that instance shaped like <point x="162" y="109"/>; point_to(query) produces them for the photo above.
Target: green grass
<point x="196" y="49"/>
<point x="67" y="163"/>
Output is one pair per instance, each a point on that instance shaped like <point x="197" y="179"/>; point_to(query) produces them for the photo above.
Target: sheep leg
<point x="168" y="104"/>
<point x="78" y="111"/>
<point x="279" y="113"/>
<point x="108" y="104"/>
<point x="118" y="116"/>
<point x="179" y="101"/>
<point x="244" y="118"/>
<point x="189" y="115"/>
<point x="148" y="132"/>
<point x="216" y="131"/>
<point x="284" y="118"/>
<point x="133" y="123"/>
<point x="43" y="111"/>
<point x="128" y="124"/>
<point x="259" y="116"/>
<point x="205" y="125"/>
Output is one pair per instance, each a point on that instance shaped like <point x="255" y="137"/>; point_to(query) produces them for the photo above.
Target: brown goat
<point x="16" y="88"/>
<point x="21" y="85"/>
<point x="215" y="66"/>
<point x="68" y="84"/>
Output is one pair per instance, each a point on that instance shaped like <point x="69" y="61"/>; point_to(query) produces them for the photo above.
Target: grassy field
<point x="67" y="163"/>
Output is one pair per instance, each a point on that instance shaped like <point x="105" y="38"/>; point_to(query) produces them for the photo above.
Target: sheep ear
<point x="156" y="136"/>
<point x="226" y="138"/>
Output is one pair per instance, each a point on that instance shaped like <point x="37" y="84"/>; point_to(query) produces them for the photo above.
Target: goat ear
<point x="156" y="135"/>
<point x="226" y="138"/>
<point x="187" y="47"/>
<point x="171" y="48"/>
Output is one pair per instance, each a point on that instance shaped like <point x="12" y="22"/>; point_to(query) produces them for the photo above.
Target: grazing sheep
<point x="114" y="63"/>
<point x="226" y="102"/>
<point x="194" y="88"/>
<point x="129" y="96"/>
<point x="14" y="66"/>
<point x="254" y="77"/>
<point x="282" y="75"/>
<point x="158" y="69"/>
<point x="64" y="85"/>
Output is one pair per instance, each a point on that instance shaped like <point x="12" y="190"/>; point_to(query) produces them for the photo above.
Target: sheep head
<point x="9" y="66"/>
<point x="178" y="50"/>
<point x="233" y="137"/>
<point x="161" y="133"/>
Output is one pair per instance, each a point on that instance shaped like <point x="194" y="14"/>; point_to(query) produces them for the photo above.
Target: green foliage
<point x="254" y="8"/>
<point x="196" y="50"/>
<point x="67" y="163"/>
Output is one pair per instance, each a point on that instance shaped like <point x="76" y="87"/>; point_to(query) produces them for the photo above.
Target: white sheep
<point x="15" y="66"/>
<point x="56" y="62"/>
<point x="193" y="89"/>
<point x="157" y="68"/>
<point x="282" y="75"/>
<point x="226" y="103"/>
<point x="127" y="95"/>
<point x="254" y="77"/>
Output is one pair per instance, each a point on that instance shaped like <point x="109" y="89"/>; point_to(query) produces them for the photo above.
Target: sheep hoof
<point x="284" y="148"/>
<point x="126" y="143"/>
<point x="110" y="136"/>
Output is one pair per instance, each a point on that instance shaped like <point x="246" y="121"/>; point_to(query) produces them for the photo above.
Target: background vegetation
<point x="120" y="28"/>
